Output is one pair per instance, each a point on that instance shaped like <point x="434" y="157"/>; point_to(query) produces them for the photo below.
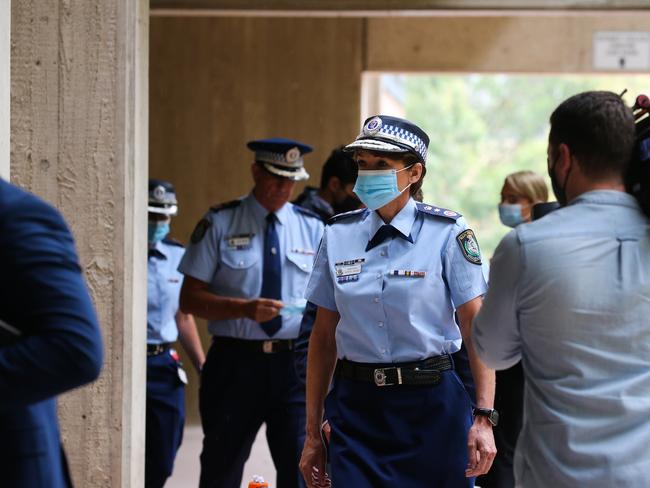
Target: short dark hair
<point x="599" y="130"/>
<point x="339" y="164"/>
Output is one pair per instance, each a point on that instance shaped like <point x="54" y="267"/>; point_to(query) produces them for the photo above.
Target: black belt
<point x="155" y="349"/>
<point x="270" y="346"/>
<point x="426" y="372"/>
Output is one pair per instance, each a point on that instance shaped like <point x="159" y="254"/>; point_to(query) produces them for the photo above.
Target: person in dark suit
<point x="50" y="340"/>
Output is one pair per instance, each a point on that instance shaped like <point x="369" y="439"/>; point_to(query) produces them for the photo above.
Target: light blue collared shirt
<point x="229" y="257"/>
<point x="570" y="295"/>
<point x="163" y="291"/>
<point x="389" y="317"/>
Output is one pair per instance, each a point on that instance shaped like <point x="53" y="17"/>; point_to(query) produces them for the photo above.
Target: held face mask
<point x="376" y="188"/>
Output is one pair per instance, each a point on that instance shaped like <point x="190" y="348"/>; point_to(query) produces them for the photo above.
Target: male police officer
<point x="570" y="295"/>
<point x="246" y="271"/>
<point x="165" y="323"/>
<point x="49" y="338"/>
<point x="335" y="194"/>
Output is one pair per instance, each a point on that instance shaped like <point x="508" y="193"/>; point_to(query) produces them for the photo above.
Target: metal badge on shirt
<point x="469" y="246"/>
<point x="240" y="241"/>
<point x="347" y="271"/>
<point x="408" y="273"/>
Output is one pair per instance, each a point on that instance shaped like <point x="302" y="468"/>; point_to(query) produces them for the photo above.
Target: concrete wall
<point x="217" y="83"/>
<point x="78" y="139"/>
<point x="5" y="48"/>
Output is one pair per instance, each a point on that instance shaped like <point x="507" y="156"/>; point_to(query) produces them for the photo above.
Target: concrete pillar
<point x="5" y="47"/>
<point x="79" y="139"/>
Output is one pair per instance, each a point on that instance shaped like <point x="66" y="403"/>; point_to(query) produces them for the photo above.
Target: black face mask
<point x="559" y="190"/>
<point x="348" y="204"/>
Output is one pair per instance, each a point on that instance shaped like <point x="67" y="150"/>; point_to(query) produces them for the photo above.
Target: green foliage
<point x="484" y="127"/>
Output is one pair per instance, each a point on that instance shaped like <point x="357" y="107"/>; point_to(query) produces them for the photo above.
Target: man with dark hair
<point x="335" y="193"/>
<point x="569" y="295"/>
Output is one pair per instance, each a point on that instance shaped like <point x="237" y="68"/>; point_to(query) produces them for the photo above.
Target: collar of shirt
<point x="157" y="251"/>
<point x="606" y="197"/>
<point x="403" y="221"/>
<point x="260" y="212"/>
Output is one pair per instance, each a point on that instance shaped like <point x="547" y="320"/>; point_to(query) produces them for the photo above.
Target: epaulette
<point x="438" y="211"/>
<point x="306" y="211"/>
<point x="172" y="242"/>
<point x="224" y="206"/>
<point x="346" y="215"/>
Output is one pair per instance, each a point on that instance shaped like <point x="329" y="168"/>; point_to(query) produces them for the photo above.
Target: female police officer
<point x="387" y="280"/>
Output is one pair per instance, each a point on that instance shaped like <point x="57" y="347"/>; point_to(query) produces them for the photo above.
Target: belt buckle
<point x="267" y="347"/>
<point x="379" y="375"/>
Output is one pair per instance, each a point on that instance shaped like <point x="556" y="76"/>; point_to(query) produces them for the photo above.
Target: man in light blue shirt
<point x="570" y="295"/>
<point x="246" y="271"/>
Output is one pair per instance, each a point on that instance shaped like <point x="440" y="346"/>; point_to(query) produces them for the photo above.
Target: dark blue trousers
<point x="241" y="390"/>
<point x="399" y="436"/>
<point x="165" y="418"/>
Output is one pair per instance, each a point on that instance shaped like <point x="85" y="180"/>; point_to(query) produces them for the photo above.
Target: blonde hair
<point x="528" y="184"/>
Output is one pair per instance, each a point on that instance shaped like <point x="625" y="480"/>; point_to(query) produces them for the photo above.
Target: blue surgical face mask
<point x="158" y="231"/>
<point x="510" y="214"/>
<point x="376" y="188"/>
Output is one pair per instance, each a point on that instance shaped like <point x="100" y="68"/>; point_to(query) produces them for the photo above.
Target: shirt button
<point x="383" y="253"/>
<point x="376" y="300"/>
<point x="383" y="351"/>
<point x="380" y="324"/>
<point x="304" y="266"/>
<point x="378" y="275"/>
<point x="241" y="263"/>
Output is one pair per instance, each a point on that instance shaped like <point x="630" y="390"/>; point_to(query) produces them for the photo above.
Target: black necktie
<point x="386" y="231"/>
<point x="272" y="273"/>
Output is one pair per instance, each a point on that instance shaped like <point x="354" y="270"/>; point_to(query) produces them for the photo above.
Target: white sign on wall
<point x="622" y="51"/>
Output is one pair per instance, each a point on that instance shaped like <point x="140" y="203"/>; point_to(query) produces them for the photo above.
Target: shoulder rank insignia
<point x="200" y="230"/>
<point x="172" y="242"/>
<point x="438" y="211"/>
<point x="469" y="246"/>
<point x="306" y="211"/>
<point x="343" y="216"/>
<point x="224" y="206"/>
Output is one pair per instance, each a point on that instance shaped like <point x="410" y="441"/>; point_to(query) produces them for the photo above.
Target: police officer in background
<point x="387" y="280"/>
<point x="570" y="295"/>
<point x="335" y="194"/>
<point x="49" y="338"/>
<point x="166" y="378"/>
<point x="246" y="271"/>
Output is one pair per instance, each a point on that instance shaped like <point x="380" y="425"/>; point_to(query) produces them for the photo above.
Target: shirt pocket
<point x="299" y="267"/>
<point x="239" y="273"/>
<point x="304" y="262"/>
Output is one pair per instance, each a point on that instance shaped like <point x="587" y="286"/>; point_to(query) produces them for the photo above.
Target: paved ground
<point x="186" y="468"/>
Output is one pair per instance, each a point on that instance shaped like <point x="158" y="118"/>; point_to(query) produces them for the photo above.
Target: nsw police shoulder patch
<point x="200" y="230"/>
<point x="469" y="246"/>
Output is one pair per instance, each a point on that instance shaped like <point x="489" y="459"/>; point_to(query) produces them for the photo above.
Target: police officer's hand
<point x="262" y="309"/>
<point x="312" y="463"/>
<point x="481" y="448"/>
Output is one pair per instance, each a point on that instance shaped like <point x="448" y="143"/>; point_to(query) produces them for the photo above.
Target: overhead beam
<point x="365" y="7"/>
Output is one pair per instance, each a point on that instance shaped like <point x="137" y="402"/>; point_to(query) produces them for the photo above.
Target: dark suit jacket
<point x="43" y="295"/>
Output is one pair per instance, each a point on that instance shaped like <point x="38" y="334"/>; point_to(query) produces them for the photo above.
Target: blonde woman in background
<point x="521" y="190"/>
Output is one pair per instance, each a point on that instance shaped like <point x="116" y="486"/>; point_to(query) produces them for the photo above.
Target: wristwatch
<point x="491" y="414"/>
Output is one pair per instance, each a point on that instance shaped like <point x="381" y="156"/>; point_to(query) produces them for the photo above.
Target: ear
<point x="334" y="184"/>
<point x="415" y="173"/>
<point x="563" y="162"/>
<point x="255" y="171"/>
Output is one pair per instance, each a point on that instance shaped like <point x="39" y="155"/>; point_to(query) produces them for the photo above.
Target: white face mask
<point x="376" y="188"/>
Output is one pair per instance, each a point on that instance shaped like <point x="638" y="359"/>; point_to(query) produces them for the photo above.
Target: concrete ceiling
<point x="369" y="6"/>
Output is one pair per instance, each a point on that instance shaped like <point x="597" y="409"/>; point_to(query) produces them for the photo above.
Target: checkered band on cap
<point x="391" y="133"/>
<point x="279" y="159"/>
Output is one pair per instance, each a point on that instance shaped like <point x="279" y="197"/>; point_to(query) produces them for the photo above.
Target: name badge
<point x="308" y="252"/>
<point x="347" y="279"/>
<point x="408" y="273"/>
<point x="241" y="241"/>
<point x="347" y="270"/>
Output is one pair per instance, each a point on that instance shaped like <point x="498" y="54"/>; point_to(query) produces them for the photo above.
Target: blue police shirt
<point x="163" y="291"/>
<point x="397" y="300"/>
<point x="227" y="253"/>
